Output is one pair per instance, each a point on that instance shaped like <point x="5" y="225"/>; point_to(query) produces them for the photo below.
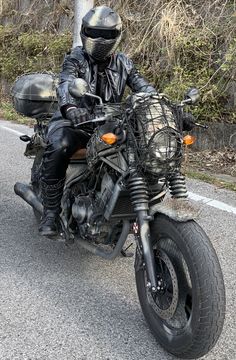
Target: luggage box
<point x="34" y="95"/>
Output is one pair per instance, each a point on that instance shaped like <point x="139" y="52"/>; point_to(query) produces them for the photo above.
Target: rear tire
<point x="187" y="316"/>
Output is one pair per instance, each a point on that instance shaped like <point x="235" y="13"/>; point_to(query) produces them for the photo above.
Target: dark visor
<point x="105" y="34"/>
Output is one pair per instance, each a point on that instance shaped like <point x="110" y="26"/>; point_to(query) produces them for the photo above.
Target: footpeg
<point x="25" y="138"/>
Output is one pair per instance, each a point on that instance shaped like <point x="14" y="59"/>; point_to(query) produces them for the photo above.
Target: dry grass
<point x="43" y="15"/>
<point x="157" y="32"/>
<point x="176" y="43"/>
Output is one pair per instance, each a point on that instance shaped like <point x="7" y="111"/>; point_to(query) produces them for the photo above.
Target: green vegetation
<point x="8" y="113"/>
<point x="29" y="52"/>
<point x="211" y="179"/>
<point x="175" y="44"/>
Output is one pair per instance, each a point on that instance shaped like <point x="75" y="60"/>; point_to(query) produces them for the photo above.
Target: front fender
<point x="177" y="209"/>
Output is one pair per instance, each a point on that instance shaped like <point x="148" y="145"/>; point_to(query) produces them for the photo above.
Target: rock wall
<point x="39" y="14"/>
<point x="217" y="136"/>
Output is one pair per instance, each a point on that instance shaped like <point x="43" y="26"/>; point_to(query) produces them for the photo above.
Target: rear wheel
<point x="186" y="315"/>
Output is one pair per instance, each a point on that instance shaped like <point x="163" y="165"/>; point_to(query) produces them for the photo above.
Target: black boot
<point x="51" y="195"/>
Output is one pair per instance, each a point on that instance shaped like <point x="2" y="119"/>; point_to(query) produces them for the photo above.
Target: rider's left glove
<point x="77" y="115"/>
<point x="188" y="121"/>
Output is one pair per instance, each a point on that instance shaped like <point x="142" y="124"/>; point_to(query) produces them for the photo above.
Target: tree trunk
<point x="81" y="8"/>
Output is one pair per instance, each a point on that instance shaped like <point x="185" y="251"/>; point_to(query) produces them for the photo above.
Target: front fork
<point x="147" y="251"/>
<point x="139" y="197"/>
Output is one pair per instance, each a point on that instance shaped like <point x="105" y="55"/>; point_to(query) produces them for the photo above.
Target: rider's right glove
<point x="188" y="121"/>
<point x="77" y="115"/>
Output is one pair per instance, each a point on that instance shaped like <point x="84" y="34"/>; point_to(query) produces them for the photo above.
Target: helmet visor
<point x="101" y="33"/>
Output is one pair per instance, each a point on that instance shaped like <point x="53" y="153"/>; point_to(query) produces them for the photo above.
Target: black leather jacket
<point x="109" y="83"/>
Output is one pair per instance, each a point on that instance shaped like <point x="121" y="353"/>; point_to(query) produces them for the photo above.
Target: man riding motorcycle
<point x="107" y="74"/>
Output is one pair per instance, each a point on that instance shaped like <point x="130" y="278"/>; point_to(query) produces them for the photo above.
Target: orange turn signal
<point x="109" y="138"/>
<point x="189" y="139"/>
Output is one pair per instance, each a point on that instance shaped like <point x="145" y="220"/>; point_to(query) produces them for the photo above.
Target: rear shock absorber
<point x="138" y="193"/>
<point x="177" y="186"/>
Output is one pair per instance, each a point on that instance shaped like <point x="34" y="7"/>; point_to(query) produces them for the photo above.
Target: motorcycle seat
<point x="79" y="154"/>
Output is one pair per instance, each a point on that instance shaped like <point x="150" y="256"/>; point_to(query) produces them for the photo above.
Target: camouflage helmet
<point x="101" y="32"/>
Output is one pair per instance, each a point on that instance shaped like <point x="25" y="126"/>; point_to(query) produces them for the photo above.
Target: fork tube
<point x="147" y="250"/>
<point x="139" y="197"/>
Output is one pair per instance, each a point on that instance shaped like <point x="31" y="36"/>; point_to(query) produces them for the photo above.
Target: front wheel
<point x="186" y="315"/>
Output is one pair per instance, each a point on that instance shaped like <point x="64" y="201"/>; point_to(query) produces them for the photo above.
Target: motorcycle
<point x="129" y="180"/>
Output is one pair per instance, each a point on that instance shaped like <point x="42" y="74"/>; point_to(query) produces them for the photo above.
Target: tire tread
<point x="209" y="282"/>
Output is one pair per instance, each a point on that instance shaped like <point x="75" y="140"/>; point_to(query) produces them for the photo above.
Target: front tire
<point x="186" y="316"/>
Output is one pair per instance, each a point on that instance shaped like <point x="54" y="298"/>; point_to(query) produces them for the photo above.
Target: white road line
<point x="11" y="130"/>
<point x="211" y="202"/>
<point x="208" y="201"/>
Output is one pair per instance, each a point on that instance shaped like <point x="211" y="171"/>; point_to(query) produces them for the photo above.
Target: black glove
<point x="77" y="115"/>
<point x="188" y="121"/>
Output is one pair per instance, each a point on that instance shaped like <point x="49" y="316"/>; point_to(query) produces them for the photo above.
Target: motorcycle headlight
<point x="165" y="145"/>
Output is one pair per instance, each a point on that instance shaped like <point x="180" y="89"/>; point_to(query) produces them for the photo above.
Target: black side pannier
<point x="34" y="95"/>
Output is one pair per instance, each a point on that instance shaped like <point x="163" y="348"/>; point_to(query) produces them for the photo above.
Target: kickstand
<point x="125" y="253"/>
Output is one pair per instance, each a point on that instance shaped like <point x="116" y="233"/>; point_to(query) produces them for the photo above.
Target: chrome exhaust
<point x="26" y="193"/>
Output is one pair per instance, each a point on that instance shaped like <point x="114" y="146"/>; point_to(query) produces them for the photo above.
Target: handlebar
<point x="201" y="126"/>
<point x="95" y="120"/>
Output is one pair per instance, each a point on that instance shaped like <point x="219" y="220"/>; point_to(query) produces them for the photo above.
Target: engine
<point x="88" y="210"/>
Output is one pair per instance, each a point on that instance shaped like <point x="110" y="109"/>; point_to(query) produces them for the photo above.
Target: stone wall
<point x="40" y="14"/>
<point x="217" y="136"/>
<point x="231" y="90"/>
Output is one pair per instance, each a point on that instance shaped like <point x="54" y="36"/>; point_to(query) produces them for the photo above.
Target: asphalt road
<point x="59" y="303"/>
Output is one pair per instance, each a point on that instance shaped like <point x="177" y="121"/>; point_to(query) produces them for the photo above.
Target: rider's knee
<point x="58" y="145"/>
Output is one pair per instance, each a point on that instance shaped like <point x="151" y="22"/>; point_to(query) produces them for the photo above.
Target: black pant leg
<point x="62" y="141"/>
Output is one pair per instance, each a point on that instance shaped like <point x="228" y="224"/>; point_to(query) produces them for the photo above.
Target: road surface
<point x="59" y="303"/>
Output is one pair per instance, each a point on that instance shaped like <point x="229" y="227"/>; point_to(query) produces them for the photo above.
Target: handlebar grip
<point x="94" y="120"/>
<point x="201" y="126"/>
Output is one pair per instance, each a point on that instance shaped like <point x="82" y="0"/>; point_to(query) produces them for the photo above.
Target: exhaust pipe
<point x="27" y="194"/>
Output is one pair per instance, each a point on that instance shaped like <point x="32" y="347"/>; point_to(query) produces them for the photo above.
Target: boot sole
<point x="48" y="233"/>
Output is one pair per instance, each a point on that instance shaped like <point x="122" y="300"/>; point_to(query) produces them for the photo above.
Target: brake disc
<point x="165" y="313"/>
